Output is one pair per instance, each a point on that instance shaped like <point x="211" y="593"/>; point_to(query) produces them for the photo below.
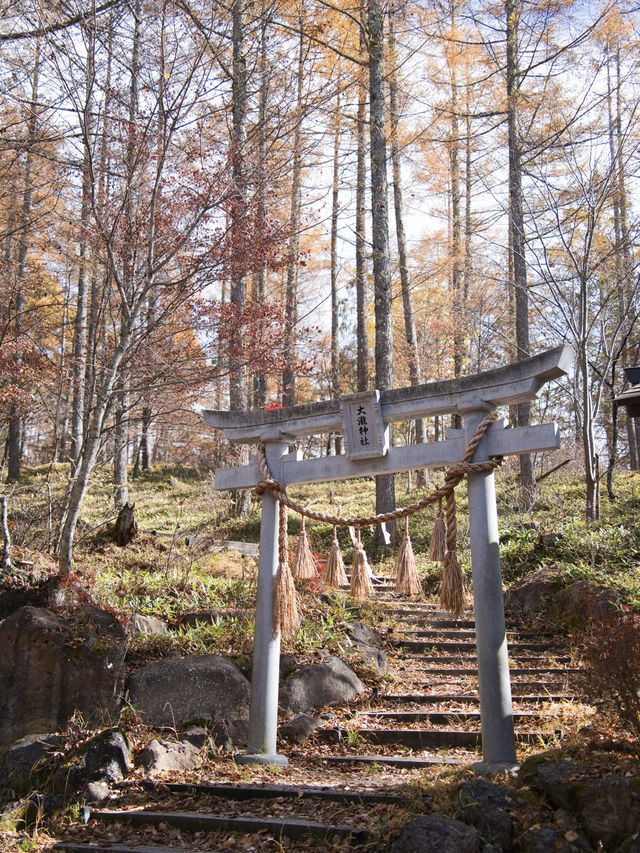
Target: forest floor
<point x="176" y="564"/>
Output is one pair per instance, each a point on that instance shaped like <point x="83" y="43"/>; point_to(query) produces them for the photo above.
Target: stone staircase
<point x="370" y="758"/>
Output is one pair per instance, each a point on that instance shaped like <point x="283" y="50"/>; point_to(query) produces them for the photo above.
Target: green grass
<point x="169" y="569"/>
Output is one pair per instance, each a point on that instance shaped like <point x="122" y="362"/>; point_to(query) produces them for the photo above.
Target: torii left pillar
<point x="263" y="718"/>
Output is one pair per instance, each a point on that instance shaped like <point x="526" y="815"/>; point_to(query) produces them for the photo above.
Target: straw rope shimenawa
<point x="407" y="580"/>
<point x="305" y="566"/>
<point x="452" y="592"/>
<point x="336" y="574"/>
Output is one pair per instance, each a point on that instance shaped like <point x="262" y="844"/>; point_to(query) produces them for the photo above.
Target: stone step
<point x="514" y="672"/>
<point x="423" y="610"/>
<point x="441" y="698"/>
<point x="466" y="634"/>
<point x="79" y="847"/>
<point x="468" y="660"/>
<point x="439" y="718"/>
<point x="232" y="791"/>
<point x="465" y="646"/>
<point x="442" y="623"/>
<point x="200" y="822"/>
<point x="403" y="761"/>
<point x="418" y="738"/>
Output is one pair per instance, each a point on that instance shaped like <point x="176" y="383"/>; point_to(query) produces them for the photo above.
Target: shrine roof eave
<point x="630" y="399"/>
<point x="503" y="386"/>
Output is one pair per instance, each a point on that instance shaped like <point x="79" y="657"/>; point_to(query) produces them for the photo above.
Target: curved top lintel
<point x="503" y="386"/>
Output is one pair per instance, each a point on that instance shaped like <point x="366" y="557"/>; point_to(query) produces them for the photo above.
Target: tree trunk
<point x="291" y="293"/>
<point x="362" y="356"/>
<point x="335" y="207"/>
<point x="415" y="373"/>
<point x="259" y="379"/>
<point x="385" y="485"/>
<point x="516" y="221"/>
<point x="80" y="326"/>
<point x="121" y="430"/>
<point x="14" y="443"/>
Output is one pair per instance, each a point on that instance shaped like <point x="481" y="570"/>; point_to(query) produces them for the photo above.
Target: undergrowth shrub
<point x="612" y="665"/>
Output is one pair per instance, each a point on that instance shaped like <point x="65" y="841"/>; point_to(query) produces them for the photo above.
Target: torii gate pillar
<point x="263" y="715"/>
<point x="494" y="683"/>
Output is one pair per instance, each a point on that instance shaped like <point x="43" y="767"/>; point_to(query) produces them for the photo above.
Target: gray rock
<point x="12" y="816"/>
<point x="561" y="782"/>
<point x="299" y="729"/>
<point x="149" y="625"/>
<point x="585" y="601"/>
<point x="39" y="807"/>
<point x="361" y="633"/>
<point x="534" y="591"/>
<point x="97" y="792"/>
<point x="288" y="664"/>
<point x="212" y="616"/>
<point x="376" y="658"/>
<point x="488" y="807"/>
<point x="435" y="834"/>
<point x="176" y="691"/>
<point x="231" y="734"/>
<point x="107" y="757"/>
<point x="167" y="756"/>
<point x="22" y="759"/>
<point x="610" y="811"/>
<point x="320" y="684"/>
<point x="631" y="845"/>
<point x="198" y="736"/>
<point x="52" y="667"/>
<point x="543" y="839"/>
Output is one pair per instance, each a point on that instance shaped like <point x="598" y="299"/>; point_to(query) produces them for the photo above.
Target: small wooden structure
<point x="630" y="397"/>
<point x="364" y="420"/>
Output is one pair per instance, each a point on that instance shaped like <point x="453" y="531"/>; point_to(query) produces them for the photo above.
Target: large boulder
<point x="534" y="591"/>
<point x="584" y="601"/>
<point x="610" y="812"/>
<point x="489" y="807"/>
<point x="24" y="758"/>
<point x="161" y="756"/>
<point x="176" y="691"/>
<point x="434" y="833"/>
<point x="231" y="735"/>
<point x="319" y="684"/>
<point x="52" y="666"/>
<point x="105" y="758"/>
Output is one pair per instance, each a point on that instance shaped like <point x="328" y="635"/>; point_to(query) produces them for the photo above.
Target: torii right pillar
<point x="498" y="738"/>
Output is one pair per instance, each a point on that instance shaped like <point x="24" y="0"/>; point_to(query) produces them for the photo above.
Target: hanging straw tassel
<point x="438" y="539"/>
<point x="286" y="618"/>
<point x="452" y="590"/>
<point x="361" y="586"/>
<point x="305" y="566"/>
<point x="335" y="574"/>
<point x="407" y="581"/>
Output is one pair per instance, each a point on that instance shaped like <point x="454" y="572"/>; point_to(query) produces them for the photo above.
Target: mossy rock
<point x="528" y="773"/>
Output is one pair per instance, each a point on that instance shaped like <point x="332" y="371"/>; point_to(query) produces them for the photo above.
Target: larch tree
<point x="385" y="484"/>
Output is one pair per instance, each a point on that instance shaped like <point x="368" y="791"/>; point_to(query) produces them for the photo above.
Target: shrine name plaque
<point x="365" y="434"/>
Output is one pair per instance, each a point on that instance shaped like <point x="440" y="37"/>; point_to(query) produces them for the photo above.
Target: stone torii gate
<point x="367" y="454"/>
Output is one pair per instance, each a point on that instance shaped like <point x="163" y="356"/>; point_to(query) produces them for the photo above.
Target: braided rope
<point x="453" y="476"/>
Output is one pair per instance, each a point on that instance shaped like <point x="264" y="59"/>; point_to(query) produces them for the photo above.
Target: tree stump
<point x="126" y="528"/>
